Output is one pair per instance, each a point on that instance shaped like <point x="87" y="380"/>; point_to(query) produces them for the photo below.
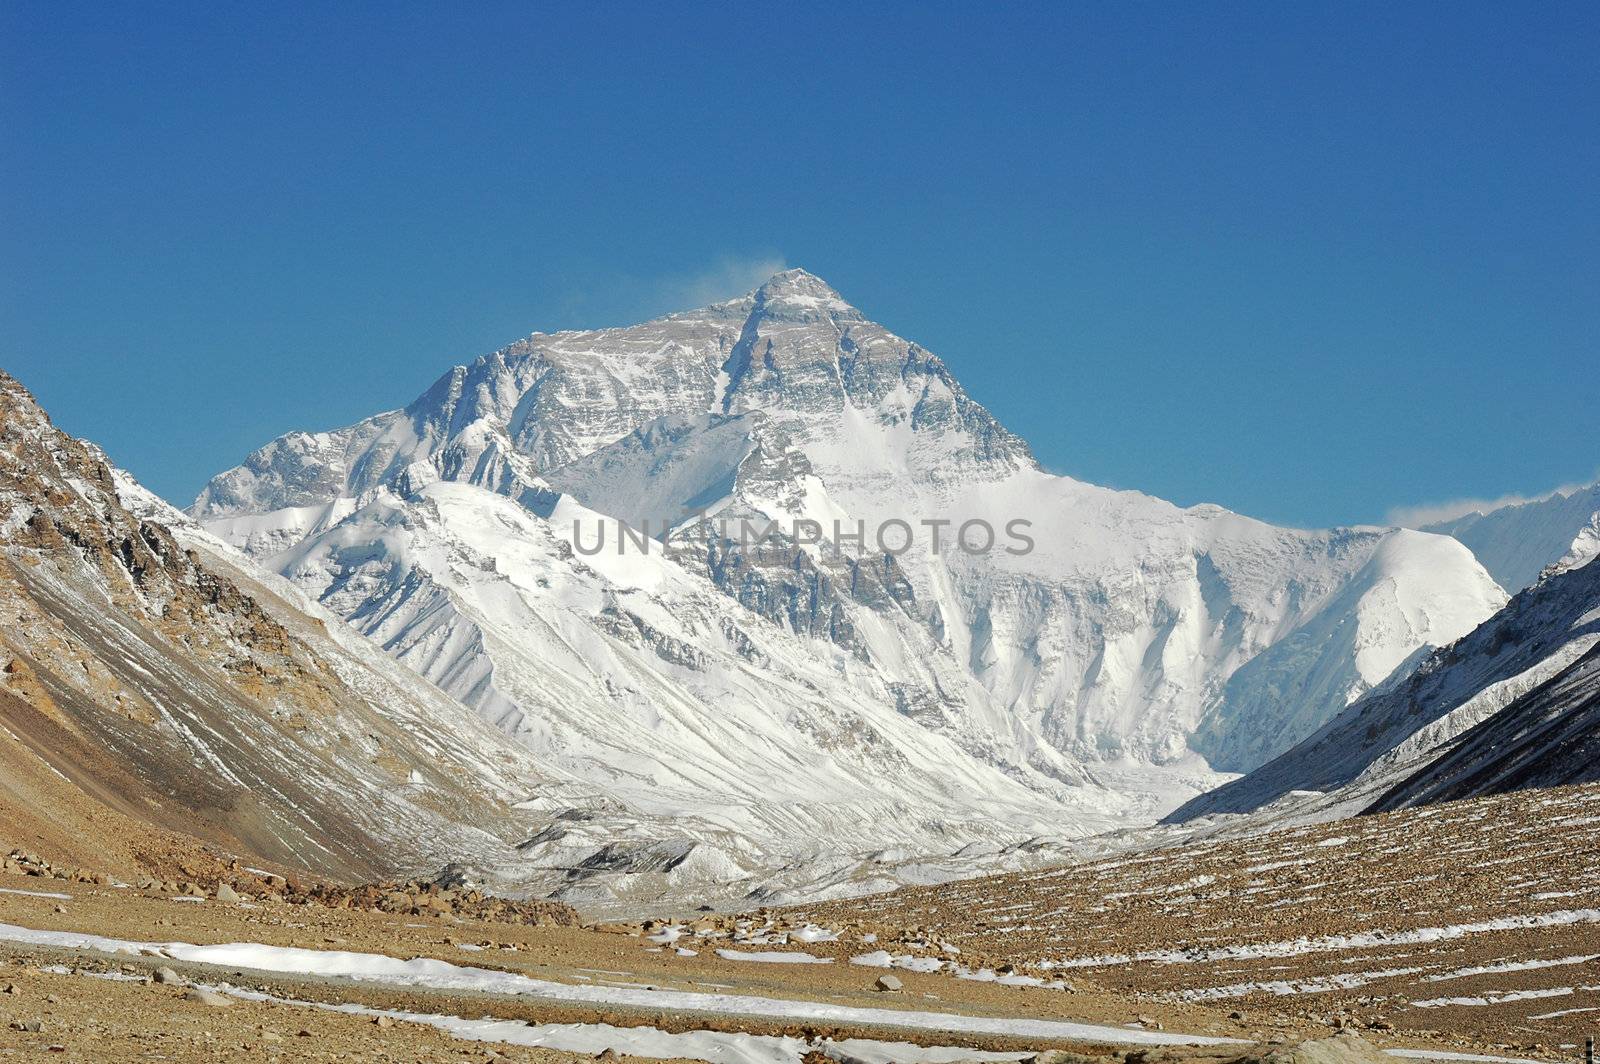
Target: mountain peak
<point x="797" y="293"/>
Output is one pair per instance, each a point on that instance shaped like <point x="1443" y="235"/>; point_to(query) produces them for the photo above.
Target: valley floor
<point x="1471" y="928"/>
<point x="525" y="975"/>
<point x="1479" y="920"/>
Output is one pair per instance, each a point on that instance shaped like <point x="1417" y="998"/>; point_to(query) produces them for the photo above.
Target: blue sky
<point x="1312" y="262"/>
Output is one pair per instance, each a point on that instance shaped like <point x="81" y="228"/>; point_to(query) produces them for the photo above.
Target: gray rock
<point x="168" y="977"/>
<point x="888" y="984"/>
<point x="1062" y="1056"/>
<point x="228" y="894"/>
<point x="208" y="997"/>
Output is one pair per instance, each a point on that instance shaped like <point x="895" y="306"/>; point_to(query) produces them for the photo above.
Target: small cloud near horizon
<point x="1433" y="513"/>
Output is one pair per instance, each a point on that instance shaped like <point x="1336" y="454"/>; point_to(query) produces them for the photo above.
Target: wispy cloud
<point x="726" y="278"/>
<point x="628" y="298"/>
<point x="1433" y="513"/>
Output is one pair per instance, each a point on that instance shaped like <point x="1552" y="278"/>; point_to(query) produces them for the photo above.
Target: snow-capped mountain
<point x="831" y="686"/>
<point x="1288" y="689"/>
<point x="1517" y="541"/>
<point x="151" y="672"/>
<point x="1512" y="704"/>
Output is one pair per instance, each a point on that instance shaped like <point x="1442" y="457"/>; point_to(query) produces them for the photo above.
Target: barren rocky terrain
<point x="1467" y="928"/>
<point x="1479" y="919"/>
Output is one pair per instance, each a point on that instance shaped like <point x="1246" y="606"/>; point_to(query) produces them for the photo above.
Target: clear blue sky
<point x="1310" y="261"/>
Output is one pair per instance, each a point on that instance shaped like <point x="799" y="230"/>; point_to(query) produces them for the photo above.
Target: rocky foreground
<point x="1397" y="929"/>
<point x="1479" y="919"/>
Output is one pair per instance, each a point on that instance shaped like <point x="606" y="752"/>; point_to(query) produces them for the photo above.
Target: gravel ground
<point x="1386" y="920"/>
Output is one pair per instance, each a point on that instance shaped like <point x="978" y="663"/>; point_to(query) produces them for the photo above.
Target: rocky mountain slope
<point x="1512" y="704"/>
<point x="827" y="686"/>
<point x="1548" y="737"/>
<point x="146" y="685"/>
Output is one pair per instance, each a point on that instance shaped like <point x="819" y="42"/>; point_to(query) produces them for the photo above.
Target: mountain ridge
<point x="1097" y="656"/>
<point x="1482" y="692"/>
<point x="1519" y="541"/>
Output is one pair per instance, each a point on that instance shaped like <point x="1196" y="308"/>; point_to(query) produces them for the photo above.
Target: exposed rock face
<point x="664" y="476"/>
<point x="58" y="498"/>
<point x="1072" y="682"/>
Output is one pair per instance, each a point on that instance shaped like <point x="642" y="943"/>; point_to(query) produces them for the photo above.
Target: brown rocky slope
<point x="151" y="698"/>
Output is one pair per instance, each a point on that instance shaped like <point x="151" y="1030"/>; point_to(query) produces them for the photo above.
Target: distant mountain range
<point x="933" y="659"/>
<point x="920" y="703"/>
<point x="1518" y="541"/>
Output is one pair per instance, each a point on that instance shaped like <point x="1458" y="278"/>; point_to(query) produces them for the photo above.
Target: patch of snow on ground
<point x="36" y="894"/>
<point x="1496" y="999"/>
<point x="772" y="958"/>
<point x="1283" y="987"/>
<point x="442" y="975"/>
<point x="1334" y="943"/>
<point x="653" y="1043"/>
<point x="1510" y="966"/>
<point x="882" y="958"/>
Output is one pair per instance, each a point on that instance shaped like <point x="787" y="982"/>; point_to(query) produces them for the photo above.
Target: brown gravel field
<point x="1466" y="928"/>
<point x="1479" y="919"/>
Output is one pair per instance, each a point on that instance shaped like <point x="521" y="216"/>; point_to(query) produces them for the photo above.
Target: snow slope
<point x="1510" y="704"/>
<point x="624" y="657"/>
<point x="1516" y="542"/>
<point x="1547" y="737"/>
<point x="1347" y="649"/>
<point x="1072" y="684"/>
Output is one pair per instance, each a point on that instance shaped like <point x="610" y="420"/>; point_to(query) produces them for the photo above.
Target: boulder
<point x="208" y="997"/>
